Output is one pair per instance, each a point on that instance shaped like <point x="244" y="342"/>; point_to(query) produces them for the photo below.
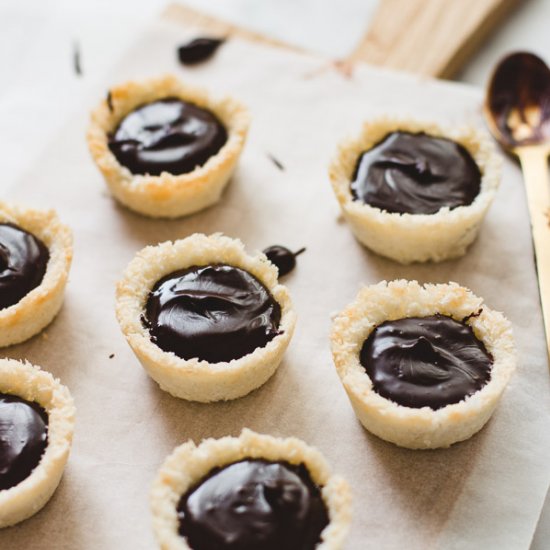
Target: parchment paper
<point x="484" y="493"/>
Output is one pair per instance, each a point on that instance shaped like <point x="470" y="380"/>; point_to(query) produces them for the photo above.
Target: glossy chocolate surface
<point x="23" y="262"/>
<point x="167" y="135"/>
<point x="254" y="505"/>
<point x="416" y="174"/>
<point x="215" y="312"/>
<point x="425" y="361"/>
<point x="23" y="438"/>
<point x="199" y="50"/>
<point x="282" y="257"/>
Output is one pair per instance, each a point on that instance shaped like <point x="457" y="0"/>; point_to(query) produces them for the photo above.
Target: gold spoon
<point x="517" y="110"/>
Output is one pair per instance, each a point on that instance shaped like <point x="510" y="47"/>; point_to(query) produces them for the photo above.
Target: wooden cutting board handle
<point x="429" y="37"/>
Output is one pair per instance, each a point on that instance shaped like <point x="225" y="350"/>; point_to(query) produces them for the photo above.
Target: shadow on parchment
<point x="64" y="347"/>
<point x="424" y="485"/>
<point x="467" y="270"/>
<point x="56" y="348"/>
<point x="60" y="525"/>
<point x="235" y="210"/>
<point x="262" y="410"/>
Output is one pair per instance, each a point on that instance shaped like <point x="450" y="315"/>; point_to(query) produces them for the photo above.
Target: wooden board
<point x="428" y="37"/>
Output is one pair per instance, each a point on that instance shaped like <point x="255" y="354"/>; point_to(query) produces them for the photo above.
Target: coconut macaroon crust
<point x="35" y="385"/>
<point x="38" y="308"/>
<point x="166" y="195"/>
<point x="406" y="237"/>
<point x="195" y="379"/>
<point x="189" y="464"/>
<point x="420" y="428"/>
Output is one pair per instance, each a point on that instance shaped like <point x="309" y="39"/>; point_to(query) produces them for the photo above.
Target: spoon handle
<point x="534" y="163"/>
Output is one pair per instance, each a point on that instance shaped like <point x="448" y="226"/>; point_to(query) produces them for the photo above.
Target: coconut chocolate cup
<point x="35" y="385"/>
<point x="38" y="308"/>
<point x="420" y="428"/>
<point x="166" y="195"/>
<point x="406" y="237"/>
<point x="190" y="463"/>
<point x="195" y="379"/>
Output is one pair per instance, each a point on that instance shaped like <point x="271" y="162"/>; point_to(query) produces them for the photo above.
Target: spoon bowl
<point x="517" y="106"/>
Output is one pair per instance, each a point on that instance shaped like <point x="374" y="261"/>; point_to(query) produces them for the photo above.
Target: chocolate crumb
<point x="77" y="64"/>
<point x="276" y="162"/>
<point x="199" y="50"/>
<point x="110" y="101"/>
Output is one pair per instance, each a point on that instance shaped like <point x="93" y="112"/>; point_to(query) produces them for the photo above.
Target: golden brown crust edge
<point x="193" y="379"/>
<point x="190" y="463"/>
<point x="166" y="195"/>
<point x="29" y="382"/>
<point x="420" y="428"/>
<point x="38" y="308"/>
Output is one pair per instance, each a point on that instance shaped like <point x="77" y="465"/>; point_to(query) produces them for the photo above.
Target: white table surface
<point x="39" y="87"/>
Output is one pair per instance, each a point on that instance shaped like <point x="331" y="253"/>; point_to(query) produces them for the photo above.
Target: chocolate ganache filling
<point x="254" y="505"/>
<point x="416" y="174"/>
<point x="23" y="262"/>
<point x="425" y="361"/>
<point x="167" y="135"/>
<point x="215" y="313"/>
<point x="23" y="438"/>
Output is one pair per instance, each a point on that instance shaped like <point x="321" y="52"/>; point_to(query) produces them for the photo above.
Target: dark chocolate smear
<point x="282" y="257"/>
<point x="416" y="174"/>
<point x="23" y="262"/>
<point x="426" y="361"/>
<point x="199" y="50"/>
<point x="167" y="135"/>
<point x="23" y="438"/>
<point x="254" y="505"/>
<point x="215" y="312"/>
